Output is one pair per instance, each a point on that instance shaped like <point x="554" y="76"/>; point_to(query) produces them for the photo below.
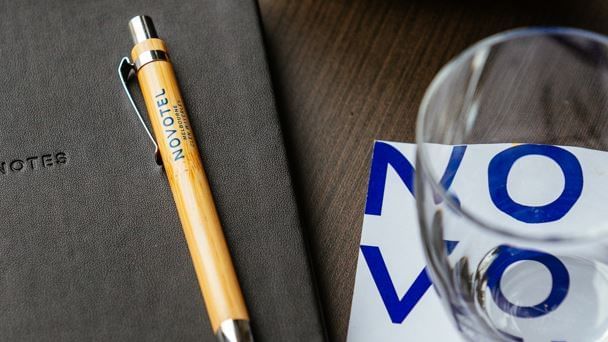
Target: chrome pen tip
<point x="237" y="330"/>
<point x="142" y="28"/>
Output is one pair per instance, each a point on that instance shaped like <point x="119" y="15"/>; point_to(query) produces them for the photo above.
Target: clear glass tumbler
<point x="512" y="186"/>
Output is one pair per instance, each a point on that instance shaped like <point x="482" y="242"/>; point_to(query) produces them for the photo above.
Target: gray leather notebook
<point x="91" y="248"/>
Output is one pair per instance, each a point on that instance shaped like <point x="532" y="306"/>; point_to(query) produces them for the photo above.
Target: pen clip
<point x="125" y="71"/>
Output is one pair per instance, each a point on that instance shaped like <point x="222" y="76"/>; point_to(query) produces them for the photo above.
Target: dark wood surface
<point x="348" y="72"/>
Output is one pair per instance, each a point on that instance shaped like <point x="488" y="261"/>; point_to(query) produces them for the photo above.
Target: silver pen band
<point x="150" y="56"/>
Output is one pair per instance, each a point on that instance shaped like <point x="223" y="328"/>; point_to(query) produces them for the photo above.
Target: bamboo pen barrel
<point x="189" y="185"/>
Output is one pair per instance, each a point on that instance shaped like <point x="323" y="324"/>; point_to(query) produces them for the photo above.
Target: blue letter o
<point x="498" y="171"/>
<point x="508" y="256"/>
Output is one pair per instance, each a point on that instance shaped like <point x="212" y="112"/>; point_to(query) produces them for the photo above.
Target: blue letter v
<point x="398" y="309"/>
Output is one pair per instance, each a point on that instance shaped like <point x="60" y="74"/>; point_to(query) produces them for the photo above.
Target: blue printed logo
<point x="398" y="308"/>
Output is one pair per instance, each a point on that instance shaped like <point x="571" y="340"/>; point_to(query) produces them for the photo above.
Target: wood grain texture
<point x="191" y="191"/>
<point x="348" y="72"/>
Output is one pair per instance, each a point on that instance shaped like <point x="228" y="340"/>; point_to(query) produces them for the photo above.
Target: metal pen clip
<point x="125" y="71"/>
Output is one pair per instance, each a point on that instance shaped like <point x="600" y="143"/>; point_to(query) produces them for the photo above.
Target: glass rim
<point x="421" y="151"/>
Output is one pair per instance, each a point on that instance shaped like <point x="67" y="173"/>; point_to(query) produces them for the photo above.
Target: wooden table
<point x="348" y="72"/>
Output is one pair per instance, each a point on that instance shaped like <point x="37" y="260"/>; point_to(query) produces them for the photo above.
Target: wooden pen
<point x="191" y="192"/>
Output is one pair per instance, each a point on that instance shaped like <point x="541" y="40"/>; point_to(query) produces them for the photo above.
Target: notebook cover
<point x="91" y="248"/>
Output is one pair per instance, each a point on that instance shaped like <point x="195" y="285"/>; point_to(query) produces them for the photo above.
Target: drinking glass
<point x="516" y="237"/>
